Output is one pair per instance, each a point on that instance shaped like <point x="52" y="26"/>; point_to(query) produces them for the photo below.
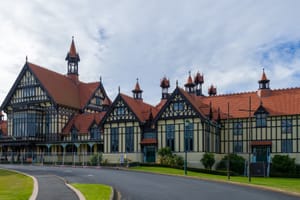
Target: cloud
<point x="120" y="41"/>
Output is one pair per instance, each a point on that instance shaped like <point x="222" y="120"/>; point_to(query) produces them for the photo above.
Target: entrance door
<point x="150" y="153"/>
<point x="261" y="154"/>
<point x="260" y="161"/>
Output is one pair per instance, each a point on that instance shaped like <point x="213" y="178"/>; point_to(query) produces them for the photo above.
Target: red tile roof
<point x="82" y="122"/>
<point x="278" y="102"/>
<point x="141" y="109"/>
<point x="63" y="89"/>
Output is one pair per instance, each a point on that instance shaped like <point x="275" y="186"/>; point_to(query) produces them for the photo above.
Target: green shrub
<point x="96" y="159"/>
<point x="237" y="164"/>
<point x="208" y="160"/>
<point x="166" y="157"/>
<point x="283" y="164"/>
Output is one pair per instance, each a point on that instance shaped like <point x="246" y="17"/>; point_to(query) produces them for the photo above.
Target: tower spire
<point x="73" y="58"/>
<point x="137" y="92"/>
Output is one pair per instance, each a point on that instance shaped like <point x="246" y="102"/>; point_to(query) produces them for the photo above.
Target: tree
<point x="208" y="160"/>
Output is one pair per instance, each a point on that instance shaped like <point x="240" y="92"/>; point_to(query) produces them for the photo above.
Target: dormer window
<point x="261" y="120"/>
<point x="261" y="115"/>
<point x="74" y="134"/>
<point x="95" y="133"/>
<point x="98" y="101"/>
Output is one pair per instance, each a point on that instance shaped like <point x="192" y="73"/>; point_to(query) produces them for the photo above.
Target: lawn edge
<point x="297" y="194"/>
<point x="35" y="183"/>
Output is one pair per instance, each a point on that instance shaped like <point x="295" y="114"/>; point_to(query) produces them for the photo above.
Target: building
<point x="54" y="114"/>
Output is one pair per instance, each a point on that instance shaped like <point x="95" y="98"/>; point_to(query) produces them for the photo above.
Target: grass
<point x="94" y="191"/>
<point x="15" y="186"/>
<point x="286" y="184"/>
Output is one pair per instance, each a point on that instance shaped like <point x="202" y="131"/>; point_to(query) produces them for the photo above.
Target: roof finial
<point x="176" y="83"/>
<point x="189" y="72"/>
<point x="100" y="79"/>
<point x="72" y="37"/>
<point x="119" y="89"/>
<point x="26" y="59"/>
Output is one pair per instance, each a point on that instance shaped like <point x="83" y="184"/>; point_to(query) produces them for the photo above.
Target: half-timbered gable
<point x="124" y="124"/>
<point x="94" y="97"/>
<point x="184" y="123"/>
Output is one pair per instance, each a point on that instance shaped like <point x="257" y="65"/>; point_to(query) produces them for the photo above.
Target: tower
<point x="164" y="84"/>
<point x="264" y="86"/>
<point x="212" y="91"/>
<point x="264" y="82"/>
<point x="73" y="59"/>
<point x="189" y="86"/>
<point x="137" y="92"/>
<point x="199" y="80"/>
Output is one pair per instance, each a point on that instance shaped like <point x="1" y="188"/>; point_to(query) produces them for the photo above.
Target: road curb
<point x="77" y="192"/>
<point x="35" y="183"/>
<point x="223" y="181"/>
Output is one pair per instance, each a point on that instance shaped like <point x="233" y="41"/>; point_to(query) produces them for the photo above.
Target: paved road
<point x="136" y="185"/>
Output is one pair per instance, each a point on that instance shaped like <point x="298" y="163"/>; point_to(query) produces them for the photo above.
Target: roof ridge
<point x="232" y="94"/>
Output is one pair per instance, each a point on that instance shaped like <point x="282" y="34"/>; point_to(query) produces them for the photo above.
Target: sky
<point x="229" y="41"/>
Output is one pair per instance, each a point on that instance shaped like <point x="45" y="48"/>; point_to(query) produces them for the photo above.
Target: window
<point x="98" y="101"/>
<point x="286" y="126"/>
<point x="129" y="139"/>
<point x="27" y="124"/>
<point x="28" y="92"/>
<point x="74" y="134"/>
<point x="178" y="106"/>
<point x="114" y="142"/>
<point x="150" y="135"/>
<point x="207" y="138"/>
<point x="237" y="128"/>
<point x="170" y="136"/>
<point x="95" y="133"/>
<point x="237" y="146"/>
<point x="287" y="146"/>
<point x="189" y="136"/>
<point x="261" y="120"/>
<point x="120" y="111"/>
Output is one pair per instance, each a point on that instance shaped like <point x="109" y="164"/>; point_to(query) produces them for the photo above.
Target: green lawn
<point x="94" y="191"/>
<point x="15" y="186"/>
<point x="287" y="184"/>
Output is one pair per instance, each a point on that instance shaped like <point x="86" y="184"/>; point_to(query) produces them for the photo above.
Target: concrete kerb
<point x="223" y="181"/>
<point x="77" y="192"/>
<point x="80" y="195"/>
<point x="35" y="183"/>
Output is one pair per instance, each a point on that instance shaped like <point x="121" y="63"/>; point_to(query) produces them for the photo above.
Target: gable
<point x="177" y="106"/>
<point x="26" y="89"/>
<point x="120" y="112"/>
<point x="96" y="101"/>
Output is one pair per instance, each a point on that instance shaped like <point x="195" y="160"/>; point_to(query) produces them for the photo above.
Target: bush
<point x="166" y="157"/>
<point x="237" y="164"/>
<point x="96" y="159"/>
<point x="208" y="160"/>
<point x="283" y="164"/>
